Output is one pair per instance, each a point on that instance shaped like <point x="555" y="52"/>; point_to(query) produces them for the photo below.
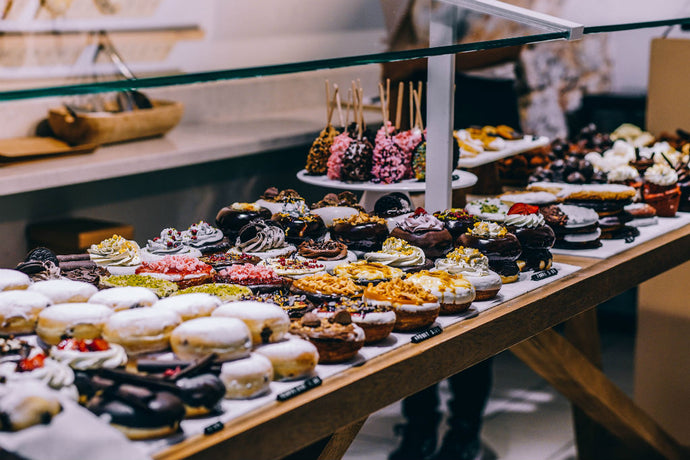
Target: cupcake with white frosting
<point x="398" y="253"/>
<point x="117" y="254"/>
<point x="168" y="243"/>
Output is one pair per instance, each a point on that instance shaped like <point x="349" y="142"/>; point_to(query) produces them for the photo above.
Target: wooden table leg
<point x="332" y="447"/>
<point x="572" y="374"/>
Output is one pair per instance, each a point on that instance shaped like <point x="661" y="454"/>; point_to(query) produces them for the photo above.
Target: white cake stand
<point x="373" y="192"/>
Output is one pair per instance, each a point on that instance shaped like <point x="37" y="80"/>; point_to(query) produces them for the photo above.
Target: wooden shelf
<point x="283" y="428"/>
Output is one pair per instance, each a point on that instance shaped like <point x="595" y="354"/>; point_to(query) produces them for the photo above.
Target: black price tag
<point x="544" y="274"/>
<point x="214" y="428"/>
<point x="429" y="333"/>
<point x="299" y="389"/>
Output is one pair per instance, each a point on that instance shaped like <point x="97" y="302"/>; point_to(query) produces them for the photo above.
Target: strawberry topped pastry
<point x="34" y="365"/>
<point x="535" y="236"/>
<point x="258" y="278"/>
<point x="425" y="231"/>
<point x="87" y="354"/>
<point x="185" y="271"/>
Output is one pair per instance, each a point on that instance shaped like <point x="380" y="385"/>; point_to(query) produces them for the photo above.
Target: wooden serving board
<point x="25" y="148"/>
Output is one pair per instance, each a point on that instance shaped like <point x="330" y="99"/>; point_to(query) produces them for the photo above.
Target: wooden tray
<point x="107" y="127"/>
<point x="27" y="148"/>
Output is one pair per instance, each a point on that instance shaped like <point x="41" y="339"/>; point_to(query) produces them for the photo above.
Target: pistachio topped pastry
<point x="397" y="253"/>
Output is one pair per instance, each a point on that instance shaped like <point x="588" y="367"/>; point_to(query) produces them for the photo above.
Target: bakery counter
<point x="188" y="144"/>
<point x="336" y="409"/>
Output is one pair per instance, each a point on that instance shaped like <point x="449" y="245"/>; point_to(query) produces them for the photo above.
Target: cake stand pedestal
<point x="372" y="192"/>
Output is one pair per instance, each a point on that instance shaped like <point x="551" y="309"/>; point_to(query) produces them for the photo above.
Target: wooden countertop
<point x="281" y="428"/>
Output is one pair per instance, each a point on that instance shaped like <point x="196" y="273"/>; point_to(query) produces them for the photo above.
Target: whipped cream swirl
<point x="246" y="207"/>
<point x="168" y="243"/>
<point x="111" y="358"/>
<point x="115" y="251"/>
<point x="466" y="261"/>
<point x="267" y="237"/>
<point x="54" y="374"/>
<point x="397" y="253"/>
<point x="622" y="173"/>
<point x="201" y="234"/>
<point x="524" y="220"/>
<point x="661" y="174"/>
<point x="419" y="223"/>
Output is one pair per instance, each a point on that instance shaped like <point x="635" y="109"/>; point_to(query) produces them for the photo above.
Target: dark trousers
<point x="470" y="391"/>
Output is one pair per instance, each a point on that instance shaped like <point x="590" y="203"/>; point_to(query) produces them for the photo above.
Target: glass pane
<point x="44" y="51"/>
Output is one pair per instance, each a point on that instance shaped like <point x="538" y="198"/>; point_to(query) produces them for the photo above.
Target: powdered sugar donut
<point x="78" y="320"/>
<point x="141" y="330"/>
<point x="292" y="359"/>
<point x="13" y="280"/>
<point x="64" y="291"/>
<point x="267" y="322"/>
<point x="190" y="306"/>
<point x="228" y="338"/>
<point x="19" y="311"/>
<point x="124" y="298"/>
<point x="247" y="378"/>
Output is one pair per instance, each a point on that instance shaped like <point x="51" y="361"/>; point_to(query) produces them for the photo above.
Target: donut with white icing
<point x="247" y="378"/>
<point x="19" y="311"/>
<point x="292" y="359"/>
<point x="141" y="330"/>
<point x="64" y="291"/>
<point x="13" y="279"/>
<point x="267" y="322"/>
<point x="124" y="298"/>
<point x="24" y="404"/>
<point x="190" y="306"/>
<point x="228" y="338"/>
<point x="78" y="320"/>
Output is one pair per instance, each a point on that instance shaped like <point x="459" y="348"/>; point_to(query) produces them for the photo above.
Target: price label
<point x="299" y="389"/>
<point x="429" y="333"/>
<point x="544" y="274"/>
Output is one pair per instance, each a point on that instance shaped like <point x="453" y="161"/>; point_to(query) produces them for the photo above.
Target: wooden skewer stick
<point x="349" y="105"/>
<point x="383" y="103"/>
<point x="361" y="108"/>
<point x="398" y="106"/>
<point x="420" y="123"/>
<point x="411" y="85"/>
<point x="340" y="108"/>
<point x="328" y="102"/>
<point x="388" y="98"/>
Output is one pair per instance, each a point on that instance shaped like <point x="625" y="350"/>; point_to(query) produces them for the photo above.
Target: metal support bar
<point x="522" y="15"/>
<point x="440" y="109"/>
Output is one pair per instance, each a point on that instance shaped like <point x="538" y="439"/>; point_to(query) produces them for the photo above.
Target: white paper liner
<point x="235" y="408"/>
<point x="612" y="247"/>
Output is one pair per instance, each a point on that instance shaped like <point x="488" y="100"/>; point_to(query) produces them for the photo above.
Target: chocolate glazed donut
<point x="367" y="237"/>
<point x="502" y="252"/>
<point x="434" y="243"/>
<point x="230" y="221"/>
<point x="300" y="228"/>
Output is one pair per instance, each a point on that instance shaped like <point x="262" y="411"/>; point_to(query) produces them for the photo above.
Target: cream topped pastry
<point x="115" y="252"/>
<point x="489" y="209"/>
<point x="397" y="253"/>
<point x="415" y="307"/>
<point x="535" y="237"/>
<point x="169" y="243"/>
<point x="524" y="220"/>
<point x="37" y="367"/>
<point x="201" y="234"/>
<point x="87" y="354"/>
<point x="264" y="239"/>
<point x="425" y="231"/>
<point x="420" y="222"/>
<point x="474" y="266"/>
<point x="454" y="292"/>
<point x="623" y="174"/>
<point x="660" y="174"/>
<point x="488" y="230"/>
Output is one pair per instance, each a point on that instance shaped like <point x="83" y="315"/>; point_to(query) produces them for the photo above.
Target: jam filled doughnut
<point x="190" y="306"/>
<point x="77" y="320"/>
<point x="247" y="378"/>
<point x="64" y="291"/>
<point x="141" y="330"/>
<point x="266" y="322"/>
<point x="124" y="298"/>
<point x="292" y="359"/>
<point x="19" y="311"/>
<point x="228" y="338"/>
<point x="13" y="280"/>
